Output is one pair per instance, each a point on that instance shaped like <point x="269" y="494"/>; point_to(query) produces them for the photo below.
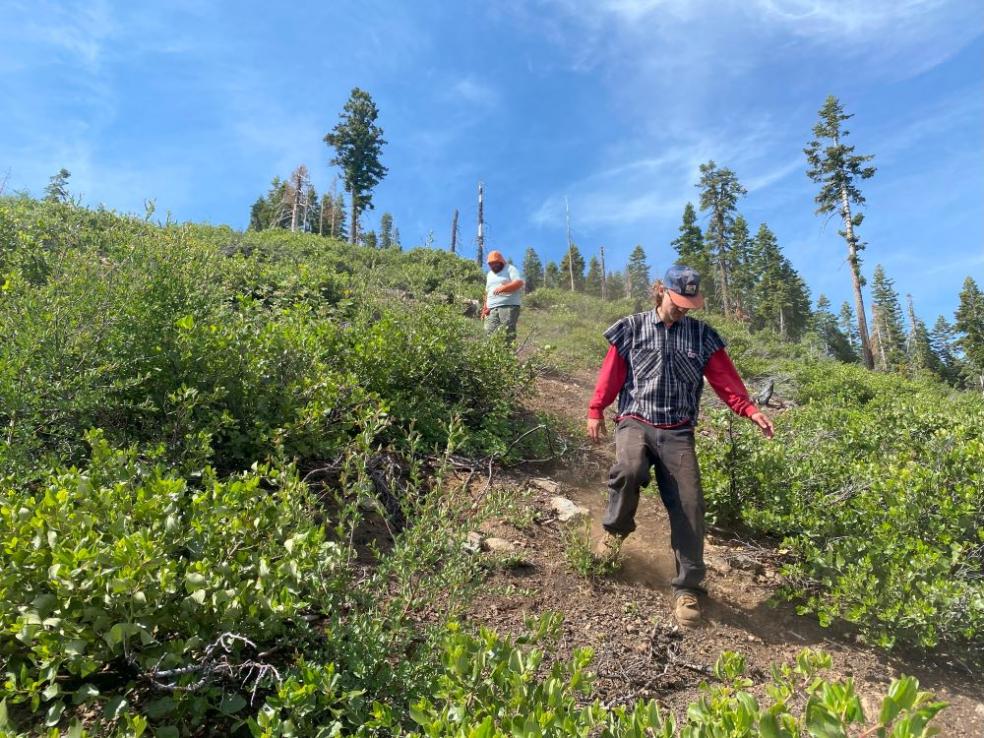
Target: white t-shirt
<point x="493" y="280"/>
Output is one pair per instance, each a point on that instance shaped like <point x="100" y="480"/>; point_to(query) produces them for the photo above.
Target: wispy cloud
<point x="473" y="92"/>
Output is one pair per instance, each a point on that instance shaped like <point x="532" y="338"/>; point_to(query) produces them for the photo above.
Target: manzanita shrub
<point x="875" y="486"/>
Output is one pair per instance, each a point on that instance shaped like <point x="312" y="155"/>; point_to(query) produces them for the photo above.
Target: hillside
<point x="240" y="470"/>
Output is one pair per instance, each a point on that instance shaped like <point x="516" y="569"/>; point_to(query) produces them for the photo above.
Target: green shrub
<point x="876" y="491"/>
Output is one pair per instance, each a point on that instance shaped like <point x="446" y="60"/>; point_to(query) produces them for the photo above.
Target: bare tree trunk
<point x="912" y="325"/>
<point x="570" y="244"/>
<point x="480" y="254"/>
<point x="604" y="276"/>
<point x="321" y="218"/>
<point x="852" y="259"/>
<point x="782" y="324"/>
<point x="454" y="232"/>
<point x="879" y="339"/>
<point x="354" y="232"/>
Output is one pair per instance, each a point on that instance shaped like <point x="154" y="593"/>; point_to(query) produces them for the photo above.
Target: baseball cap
<point x="496" y="256"/>
<point x="683" y="284"/>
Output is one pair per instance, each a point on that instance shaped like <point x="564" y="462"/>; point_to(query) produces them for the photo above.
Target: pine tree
<point x="298" y="188"/>
<point x="780" y="296"/>
<point x="369" y="240"/>
<point x="592" y="282"/>
<point x="743" y="269"/>
<point x="837" y="168"/>
<point x="386" y="231"/>
<point x="919" y="351"/>
<point x="57" y="187"/>
<point x="397" y="243"/>
<point x="358" y="142"/>
<point x="573" y="261"/>
<point x="551" y="275"/>
<point x="891" y="334"/>
<point x="969" y="327"/>
<point x="692" y="251"/>
<point x="834" y="342"/>
<point x="532" y="270"/>
<point x="638" y="283"/>
<point x="942" y="341"/>
<point x="849" y="327"/>
<point x="616" y="286"/>
<point x="719" y="193"/>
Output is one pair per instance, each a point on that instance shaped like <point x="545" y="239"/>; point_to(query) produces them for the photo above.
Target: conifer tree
<point x="574" y="262"/>
<point x="592" y="282"/>
<point x="637" y="278"/>
<point x="849" y="326"/>
<point x="969" y="326"/>
<point x="891" y="334"/>
<point x="838" y="169"/>
<point x="532" y="270"/>
<point x="386" y="231"/>
<point x="919" y="351"/>
<point x="781" y="297"/>
<point x="719" y="193"/>
<point x="57" y="187"/>
<point x="358" y="143"/>
<point x="744" y="269"/>
<point x="942" y="342"/>
<point x="551" y="275"/>
<point x="834" y="342"/>
<point x="370" y="240"/>
<point x="692" y="251"/>
<point x="616" y="286"/>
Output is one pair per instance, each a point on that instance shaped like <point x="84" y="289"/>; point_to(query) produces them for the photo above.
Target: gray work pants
<point x="504" y="316"/>
<point x="670" y="453"/>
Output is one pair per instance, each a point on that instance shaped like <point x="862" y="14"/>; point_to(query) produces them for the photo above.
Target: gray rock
<point x="567" y="510"/>
<point x="473" y="542"/>
<point x="498" y="546"/>
<point x="547" y="485"/>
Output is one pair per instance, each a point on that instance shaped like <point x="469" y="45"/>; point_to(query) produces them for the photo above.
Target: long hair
<point x="656" y="292"/>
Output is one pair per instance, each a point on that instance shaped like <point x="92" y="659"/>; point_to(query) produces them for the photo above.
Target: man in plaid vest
<point x="656" y="365"/>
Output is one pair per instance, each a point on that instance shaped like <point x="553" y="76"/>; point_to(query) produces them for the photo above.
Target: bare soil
<point x="626" y="616"/>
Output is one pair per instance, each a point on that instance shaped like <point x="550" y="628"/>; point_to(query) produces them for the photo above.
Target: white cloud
<point x="476" y="93"/>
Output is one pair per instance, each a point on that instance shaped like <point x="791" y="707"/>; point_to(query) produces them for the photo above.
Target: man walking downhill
<point x="655" y="365"/>
<point x="503" y="291"/>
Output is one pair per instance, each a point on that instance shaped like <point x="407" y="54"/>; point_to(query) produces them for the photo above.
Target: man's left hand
<point x="762" y="421"/>
<point x="497" y="291"/>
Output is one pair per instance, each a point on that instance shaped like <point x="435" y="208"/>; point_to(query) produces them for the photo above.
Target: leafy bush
<point x="878" y="495"/>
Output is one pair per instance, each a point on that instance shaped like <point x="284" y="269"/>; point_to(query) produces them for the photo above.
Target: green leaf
<point x="232" y="703"/>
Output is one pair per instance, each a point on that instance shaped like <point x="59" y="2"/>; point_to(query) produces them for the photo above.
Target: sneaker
<point x="687" y="610"/>
<point x="608" y="547"/>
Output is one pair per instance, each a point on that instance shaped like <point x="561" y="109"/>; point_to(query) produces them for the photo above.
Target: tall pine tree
<point x="358" y="143"/>
<point x="532" y="270"/>
<point x="942" y="340"/>
<point x="889" y="331"/>
<point x="638" y="283"/>
<point x="551" y="275"/>
<point x="969" y="326"/>
<point x="719" y="193"/>
<point x="573" y="263"/>
<point x="592" y="282"/>
<point x="835" y="166"/>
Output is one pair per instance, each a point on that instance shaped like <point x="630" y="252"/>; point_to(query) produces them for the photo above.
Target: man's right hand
<point x="485" y="313"/>
<point x="596" y="429"/>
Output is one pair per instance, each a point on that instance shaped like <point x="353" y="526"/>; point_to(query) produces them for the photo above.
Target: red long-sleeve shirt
<point x="720" y="372"/>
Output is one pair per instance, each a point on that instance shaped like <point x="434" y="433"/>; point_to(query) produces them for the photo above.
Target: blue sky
<point x="612" y="104"/>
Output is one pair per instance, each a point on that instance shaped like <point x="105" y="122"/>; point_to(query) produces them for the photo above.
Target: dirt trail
<point x="627" y="616"/>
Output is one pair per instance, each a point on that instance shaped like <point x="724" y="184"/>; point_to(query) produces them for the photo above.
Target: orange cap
<point x="496" y="256"/>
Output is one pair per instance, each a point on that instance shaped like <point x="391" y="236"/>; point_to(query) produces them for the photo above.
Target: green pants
<point x="502" y="317"/>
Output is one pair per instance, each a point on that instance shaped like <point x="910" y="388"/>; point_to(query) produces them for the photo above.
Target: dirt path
<point x="626" y="617"/>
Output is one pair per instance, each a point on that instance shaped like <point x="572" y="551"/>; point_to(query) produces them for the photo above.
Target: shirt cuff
<point x="595" y="414"/>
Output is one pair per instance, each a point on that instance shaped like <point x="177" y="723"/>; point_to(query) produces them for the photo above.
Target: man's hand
<point x="596" y="429"/>
<point x="497" y="291"/>
<point x="762" y="421"/>
<point x="484" y="312"/>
